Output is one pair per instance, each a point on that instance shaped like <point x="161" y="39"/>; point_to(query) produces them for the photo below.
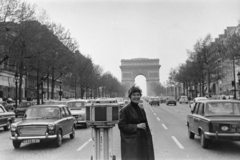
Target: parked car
<point x="183" y="99"/>
<point x="163" y="99"/>
<point x="21" y="109"/>
<point x="196" y="99"/>
<point x="43" y="123"/>
<point x="120" y="102"/>
<point x="78" y="110"/>
<point x="215" y="120"/>
<point x="6" y="118"/>
<point x="171" y="100"/>
<point x="154" y="101"/>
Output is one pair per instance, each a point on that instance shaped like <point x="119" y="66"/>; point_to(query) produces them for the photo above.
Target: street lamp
<point x="60" y="93"/>
<point x="16" y="83"/>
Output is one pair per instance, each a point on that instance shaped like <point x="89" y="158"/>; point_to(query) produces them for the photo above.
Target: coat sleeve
<point x="124" y="125"/>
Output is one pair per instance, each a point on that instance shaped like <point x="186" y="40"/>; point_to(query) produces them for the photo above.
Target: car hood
<point x="25" y="122"/>
<point x="77" y="112"/>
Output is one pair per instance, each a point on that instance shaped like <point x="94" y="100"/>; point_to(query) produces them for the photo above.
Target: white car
<point x="183" y="99"/>
<point x="197" y="99"/>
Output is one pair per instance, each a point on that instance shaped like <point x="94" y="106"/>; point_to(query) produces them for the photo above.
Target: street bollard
<point x="102" y="116"/>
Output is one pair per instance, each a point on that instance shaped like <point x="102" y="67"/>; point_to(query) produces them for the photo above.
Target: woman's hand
<point x="141" y="126"/>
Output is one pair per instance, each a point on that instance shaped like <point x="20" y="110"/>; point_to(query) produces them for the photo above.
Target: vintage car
<point x="171" y="100"/>
<point x="154" y="101"/>
<point x="215" y="120"/>
<point x="6" y="118"/>
<point x="43" y="123"/>
<point x="78" y="110"/>
<point x="196" y="99"/>
<point x="21" y="109"/>
<point x="183" y="99"/>
<point x="120" y="102"/>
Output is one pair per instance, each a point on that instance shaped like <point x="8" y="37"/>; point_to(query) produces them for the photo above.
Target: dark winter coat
<point x="136" y="144"/>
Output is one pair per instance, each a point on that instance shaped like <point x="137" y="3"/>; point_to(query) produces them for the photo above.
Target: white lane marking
<point x="164" y="126"/>
<point x="158" y="119"/>
<point x="154" y="114"/>
<point x="80" y="148"/>
<point x="177" y="142"/>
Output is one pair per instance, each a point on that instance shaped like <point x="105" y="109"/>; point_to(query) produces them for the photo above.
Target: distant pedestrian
<point x="136" y="138"/>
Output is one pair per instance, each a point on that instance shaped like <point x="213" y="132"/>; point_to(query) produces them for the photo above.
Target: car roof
<point x="78" y="100"/>
<point x="219" y="100"/>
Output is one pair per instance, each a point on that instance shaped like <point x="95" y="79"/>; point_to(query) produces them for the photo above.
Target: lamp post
<point x="238" y="80"/>
<point x="16" y="83"/>
<point x="60" y="93"/>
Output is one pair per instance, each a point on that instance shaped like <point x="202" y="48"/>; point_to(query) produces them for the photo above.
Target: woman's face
<point x="135" y="97"/>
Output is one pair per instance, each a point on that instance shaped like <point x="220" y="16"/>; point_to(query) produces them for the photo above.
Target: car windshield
<point x="25" y="104"/>
<point x="76" y="105"/>
<point x="47" y="112"/>
<point x="223" y="108"/>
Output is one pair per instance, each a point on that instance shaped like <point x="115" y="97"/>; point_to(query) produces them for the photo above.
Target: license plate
<point x="31" y="141"/>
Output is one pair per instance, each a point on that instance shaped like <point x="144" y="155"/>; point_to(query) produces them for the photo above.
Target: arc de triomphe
<point x="140" y="66"/>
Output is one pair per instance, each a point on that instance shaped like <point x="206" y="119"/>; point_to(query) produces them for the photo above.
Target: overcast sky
<point x="111" y="30"/>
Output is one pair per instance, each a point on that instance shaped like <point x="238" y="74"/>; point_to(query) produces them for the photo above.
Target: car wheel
<point x="190" y="134"/>
<point x="58" y="140"/>
<point x="16" y="116"/>
<point x="204" y="141"/>
<point x="16" y="144"/>
<point x="7" y="127"/>
<point x="180" y="102"/>
<point x="72" y="135"/>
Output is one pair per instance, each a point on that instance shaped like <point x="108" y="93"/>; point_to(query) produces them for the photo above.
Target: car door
<point x="64" y="121"/>
<point x="3" y="116"/>
<point x="190" y="118"/>
<point x="195" y="118"/>
<point x="199" y="115"/>
<point x="69" y="120"/>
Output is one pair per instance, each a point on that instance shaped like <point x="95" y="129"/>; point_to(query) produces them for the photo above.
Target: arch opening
<point x="141" y="81"/>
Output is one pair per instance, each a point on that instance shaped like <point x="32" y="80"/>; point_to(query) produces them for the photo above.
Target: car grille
<point x="32" y="130"/>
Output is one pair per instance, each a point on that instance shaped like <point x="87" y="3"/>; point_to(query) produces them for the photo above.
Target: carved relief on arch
<point x="126" y="75"/>
<point x="153" y="74"/>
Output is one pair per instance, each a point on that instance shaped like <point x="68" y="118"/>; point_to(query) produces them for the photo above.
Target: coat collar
<point x="134" y="111"/>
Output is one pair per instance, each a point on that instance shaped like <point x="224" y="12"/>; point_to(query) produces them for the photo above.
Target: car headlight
<point x="51" y="126"/>
<point x="13" y="127"/>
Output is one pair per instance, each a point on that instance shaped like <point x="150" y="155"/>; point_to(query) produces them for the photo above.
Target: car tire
<point x="7" y="127"/>
<point x="191" y="135"/>
<point x="204" y="141"/>
<point x="16" y="144"/>
<point x="180" y="102"/>
<point x="85" y="125"/>
<point x="58" y="140"/>
<point x="72" y="135"/>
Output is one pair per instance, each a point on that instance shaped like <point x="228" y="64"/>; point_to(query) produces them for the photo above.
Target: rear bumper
<point x="222" y="136"/>
<point x="33" y="137"/>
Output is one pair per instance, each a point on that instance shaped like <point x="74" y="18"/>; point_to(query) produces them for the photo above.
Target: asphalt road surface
<point x="170" y="139"/>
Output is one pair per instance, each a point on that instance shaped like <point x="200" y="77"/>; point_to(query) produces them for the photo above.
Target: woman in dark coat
<point x="136" y="138"/>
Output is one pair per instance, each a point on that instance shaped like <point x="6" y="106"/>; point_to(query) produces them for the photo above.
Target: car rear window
<point x="228" y="108"/>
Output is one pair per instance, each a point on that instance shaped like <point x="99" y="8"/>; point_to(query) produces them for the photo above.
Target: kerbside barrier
<point x="102" y="116"/>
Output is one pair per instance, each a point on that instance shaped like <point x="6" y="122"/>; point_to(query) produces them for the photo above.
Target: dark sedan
<point x="43" y="123"/>
<point x="6" y="118"/>
<point x="214" y="120"/>
<point x="171" y="101"/>
<point x="154" y="101"/>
